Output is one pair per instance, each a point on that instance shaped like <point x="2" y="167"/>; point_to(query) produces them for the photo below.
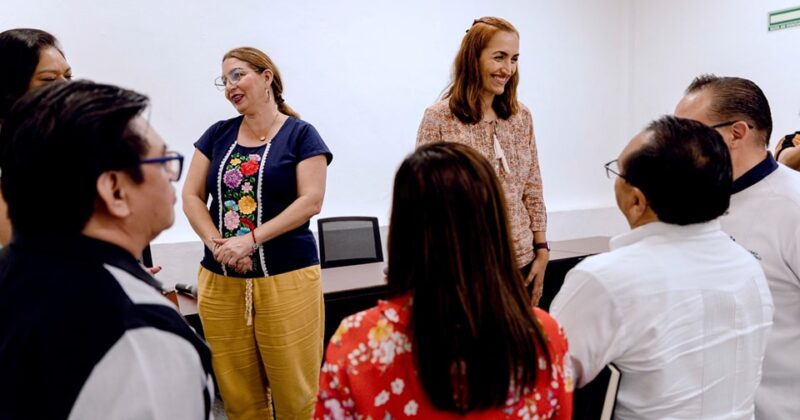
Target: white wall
<point x="362" y="72"/>
<point x="677" y="40"/>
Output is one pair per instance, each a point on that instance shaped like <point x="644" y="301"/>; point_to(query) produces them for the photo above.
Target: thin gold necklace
<point x="269" y="128"/>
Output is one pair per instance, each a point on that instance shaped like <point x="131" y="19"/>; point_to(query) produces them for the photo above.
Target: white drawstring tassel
<point x="248" y="301"/>
<point x="500" y="155"/>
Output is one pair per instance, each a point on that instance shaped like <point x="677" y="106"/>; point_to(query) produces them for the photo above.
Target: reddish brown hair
<point x="466" y="85"/>
<point x="260" y="62"/>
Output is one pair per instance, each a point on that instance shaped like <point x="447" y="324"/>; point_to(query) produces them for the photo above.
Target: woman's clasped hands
<point x="234" y="252"/>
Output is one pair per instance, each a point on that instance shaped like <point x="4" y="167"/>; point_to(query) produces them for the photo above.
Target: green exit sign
<point x="783" y="19"/>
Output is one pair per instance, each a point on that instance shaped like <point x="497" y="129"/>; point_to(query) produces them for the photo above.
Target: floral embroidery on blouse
<point x="369" y="373"/>
<point x="238" y="198"/>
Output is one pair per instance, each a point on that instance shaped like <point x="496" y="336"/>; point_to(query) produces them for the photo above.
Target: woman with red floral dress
<point x="456" y="337"/>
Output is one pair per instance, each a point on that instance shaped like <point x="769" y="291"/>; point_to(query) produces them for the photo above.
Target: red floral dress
<point x="369" y="372"/>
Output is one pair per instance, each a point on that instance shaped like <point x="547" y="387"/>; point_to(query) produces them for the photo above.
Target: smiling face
<point x="52" y="67"/>
<point x="498" y="62"/>
<point x="250" y="90"/>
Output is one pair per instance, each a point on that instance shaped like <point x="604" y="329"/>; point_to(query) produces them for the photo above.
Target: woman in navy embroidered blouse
<point x="260" y="294"/>
<point x="295" y="141"/>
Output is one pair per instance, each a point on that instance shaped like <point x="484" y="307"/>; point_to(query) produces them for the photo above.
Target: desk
<point x="578" y="247"/>
<point x="354" y="288"/>
<point x="347" y="290"/>
<point x="563" y="256"/>
<point x="346" y="279"/>
<point x="357" y="287"/>
<point x="337" y="281"/>
<point x="355" y="277"/>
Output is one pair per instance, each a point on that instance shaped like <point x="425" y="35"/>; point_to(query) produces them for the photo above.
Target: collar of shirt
<point x="665" y="230"/>
<point x="755" y="174"/>
<point x="85" y="248"/>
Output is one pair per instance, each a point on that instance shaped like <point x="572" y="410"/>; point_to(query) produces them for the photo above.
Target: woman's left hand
<point x="230" y="250"/>
<point x="536" y="275"/>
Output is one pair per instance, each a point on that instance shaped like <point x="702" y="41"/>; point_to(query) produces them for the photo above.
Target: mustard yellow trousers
<point x="266" y="338"/>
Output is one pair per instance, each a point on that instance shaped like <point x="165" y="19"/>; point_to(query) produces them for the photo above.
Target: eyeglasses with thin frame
<point x="233" y="77"/>
<point x="614" y="171"/>
<point x="732" y="122"/>
<point x="172" y="163"/>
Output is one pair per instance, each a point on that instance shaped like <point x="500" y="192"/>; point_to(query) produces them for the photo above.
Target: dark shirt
<point x="296" y="141"/>
<point x="755" y="174"/>
<point x="65" y="303"/>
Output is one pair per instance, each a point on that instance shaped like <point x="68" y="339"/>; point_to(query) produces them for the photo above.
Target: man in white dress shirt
<point x="764" y="218"/>
<point x="680" y="308"/>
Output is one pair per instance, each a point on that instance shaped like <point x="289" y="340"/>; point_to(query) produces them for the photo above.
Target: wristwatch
<point x="541" y="245"/>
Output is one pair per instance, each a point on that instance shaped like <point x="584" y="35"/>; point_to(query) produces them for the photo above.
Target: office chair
<point x="349" y="241"/>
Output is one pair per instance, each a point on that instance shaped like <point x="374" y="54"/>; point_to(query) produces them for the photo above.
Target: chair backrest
<point x="349" y="241"/>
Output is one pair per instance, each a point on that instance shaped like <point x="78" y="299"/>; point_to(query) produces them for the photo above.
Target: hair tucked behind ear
<point x="260" y="61"/>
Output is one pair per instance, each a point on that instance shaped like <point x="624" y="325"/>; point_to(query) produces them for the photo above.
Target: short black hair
<point x="684" y="171"/>
<point x="735" y="97"/>
<point x="56" y="142"/>
<point x="19" y="53"/>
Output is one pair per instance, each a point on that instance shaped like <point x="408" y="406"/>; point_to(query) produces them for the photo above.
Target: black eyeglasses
<point x="614" y="171"/>
<point x="727" y="123"/>
<point x="172" y="163"/>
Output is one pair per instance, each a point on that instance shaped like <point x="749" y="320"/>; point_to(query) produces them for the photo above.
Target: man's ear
<point x="739" y="131"/>
<point x="111" y="192"/>
<point x="639" y="206"/>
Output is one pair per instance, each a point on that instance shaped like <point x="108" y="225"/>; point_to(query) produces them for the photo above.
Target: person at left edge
<point x="260" y="292"/>
<point x="31" y="58"/>
<point x="84" y="331"/>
